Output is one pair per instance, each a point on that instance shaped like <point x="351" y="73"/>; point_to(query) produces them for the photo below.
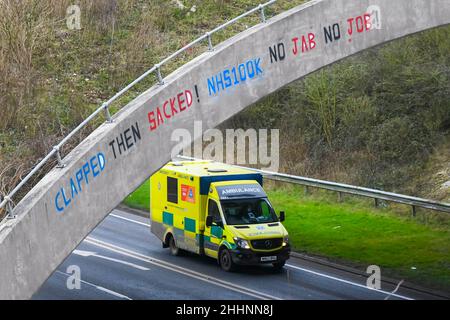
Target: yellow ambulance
<point x="217" y="210"/>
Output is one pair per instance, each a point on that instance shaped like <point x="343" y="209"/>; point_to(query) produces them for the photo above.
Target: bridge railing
<point x="341" y="188"/>
<point x="56" y="151"/>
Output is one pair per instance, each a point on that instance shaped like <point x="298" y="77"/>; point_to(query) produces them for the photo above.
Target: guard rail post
<point x="377" y="202"/>
<point x="9" y="208"/>
<point x="263" y="15"/>
<point x="58" y="157"/>
<point x="107" y="113"/>
<point x="210" y="45"/>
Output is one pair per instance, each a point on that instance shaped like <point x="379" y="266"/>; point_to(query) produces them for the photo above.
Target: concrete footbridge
<point x="70" y="201"/>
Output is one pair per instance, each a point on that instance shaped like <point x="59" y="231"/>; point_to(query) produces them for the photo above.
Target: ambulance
<point x="217" y="210"/>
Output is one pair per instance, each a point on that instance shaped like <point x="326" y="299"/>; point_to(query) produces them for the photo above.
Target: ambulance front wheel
<point x="225" y="260"/>
<point x="174" y="250"/>
<point x="278" y="266"/>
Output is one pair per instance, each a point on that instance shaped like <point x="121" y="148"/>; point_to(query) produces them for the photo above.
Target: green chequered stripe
<point x="217" y="231"/>
<point x="168" y="218"/>
<point x="189" y="224"/>
<point x="230" y="245"/>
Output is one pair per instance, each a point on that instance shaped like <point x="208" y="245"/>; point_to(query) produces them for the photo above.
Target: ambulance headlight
<point x="285" y="241"/>
<point x="241" y="243"/>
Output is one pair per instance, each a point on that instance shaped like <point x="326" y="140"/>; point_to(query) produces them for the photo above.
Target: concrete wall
<point x="68" y="203"/>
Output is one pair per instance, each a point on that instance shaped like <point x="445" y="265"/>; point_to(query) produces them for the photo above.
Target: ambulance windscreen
<point x="248" y="211"/>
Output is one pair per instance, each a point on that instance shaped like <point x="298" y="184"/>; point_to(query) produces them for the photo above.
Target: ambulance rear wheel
<point x="225" y="261"/>
<point x="174" y="250"/>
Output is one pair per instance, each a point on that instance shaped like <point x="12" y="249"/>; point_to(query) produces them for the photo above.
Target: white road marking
<point x="94" y="254"/>
<point x="181" y="270"/>
<point x="347" y="282"/>
<point x="129" y="220"/>
<point x="314" y="272"/>
<point x="111" y="292"/>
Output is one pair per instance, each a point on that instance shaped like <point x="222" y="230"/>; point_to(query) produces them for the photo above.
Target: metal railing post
<point x="9" y="208"/>
<point x="210" y="45"/>
<point x="107" y="113"/>
<point x="414" y="211"/>
<point x="58" y="157"/>
<point x="158" y="74"/>
<point x="263" y="15"/>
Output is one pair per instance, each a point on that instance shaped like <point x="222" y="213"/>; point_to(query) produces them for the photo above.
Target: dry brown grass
<point x="29" y="127"/>
<point x="21" y="28"/>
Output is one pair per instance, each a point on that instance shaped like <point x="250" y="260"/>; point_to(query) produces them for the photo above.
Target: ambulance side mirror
<point x="219" y="224"/>
<point x="282" y="216"/>
<point x="209" y="221"/>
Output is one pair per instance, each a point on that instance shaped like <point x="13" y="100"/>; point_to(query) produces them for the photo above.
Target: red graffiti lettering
<point x="308" y="43"/>
<point x="168" y="116"/>
<point x="312" y="42"/>
<point x="188" y="98"/>
<point x="151" y="120"/>
<point x="295" y="50"/>
<point x="368" y="21"/>
<point x="304" y="44"/>
<point x="181" y="101"/>
<point x="350" y="26"/>
<point x="360" y="24"/>
<point x="159" y="116"/>
<point x="170" y="108"/>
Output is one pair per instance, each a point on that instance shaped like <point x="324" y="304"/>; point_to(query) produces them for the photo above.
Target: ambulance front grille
<point x="267" y="244"/>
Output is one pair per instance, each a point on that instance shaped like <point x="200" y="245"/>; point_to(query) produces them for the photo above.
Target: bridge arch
<point x="117" y="157"/>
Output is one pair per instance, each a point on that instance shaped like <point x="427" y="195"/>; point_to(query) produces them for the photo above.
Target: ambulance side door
<point x="213" y="234"/>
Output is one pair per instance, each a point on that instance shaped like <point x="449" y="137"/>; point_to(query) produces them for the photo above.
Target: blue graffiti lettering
<point x="234" y="76"/>
<point x="58" y="208"/>
<point x="73" y="188"/>
<point x="88" y="172"/>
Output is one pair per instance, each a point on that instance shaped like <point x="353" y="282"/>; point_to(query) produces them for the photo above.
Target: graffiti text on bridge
<point x="302" y="44"/>
<point x="171" y="107"/>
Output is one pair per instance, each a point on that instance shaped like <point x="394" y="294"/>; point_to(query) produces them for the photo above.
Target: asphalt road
<point x="122" y="259"/>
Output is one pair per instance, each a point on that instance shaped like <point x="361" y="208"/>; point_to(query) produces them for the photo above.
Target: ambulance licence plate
<point x="270" y="258"/>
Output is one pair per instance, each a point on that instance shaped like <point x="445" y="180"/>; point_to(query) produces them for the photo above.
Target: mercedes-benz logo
<point x="268" y="243"/>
